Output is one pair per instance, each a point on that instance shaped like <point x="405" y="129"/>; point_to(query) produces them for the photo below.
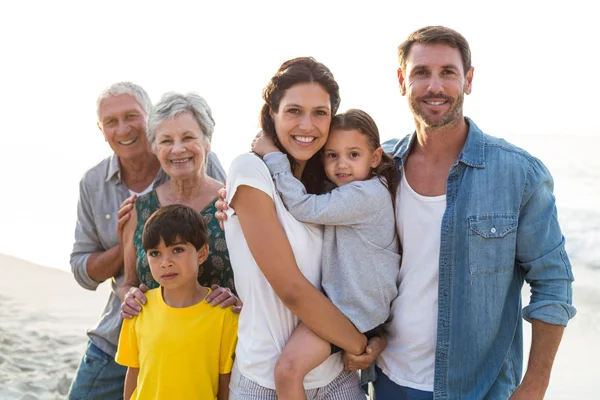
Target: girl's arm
<point x="130" y="382"/>
<point x="353" y="203"/>
<point x="272" y="252"/>
<point x="223" y="386"/>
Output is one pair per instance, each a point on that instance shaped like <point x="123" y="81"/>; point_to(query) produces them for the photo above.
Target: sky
<point x="535" y="62"/>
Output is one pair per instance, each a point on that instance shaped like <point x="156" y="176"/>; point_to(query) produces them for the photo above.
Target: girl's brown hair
<point x="362" y="122"/>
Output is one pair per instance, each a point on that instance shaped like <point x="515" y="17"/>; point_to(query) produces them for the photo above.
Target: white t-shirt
<point x="409" y="358"/>
<point x="265" y="323"/>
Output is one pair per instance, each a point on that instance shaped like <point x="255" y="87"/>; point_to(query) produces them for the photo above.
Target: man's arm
<point x="91" y="265"/>
<point x="546" y="267"/>
<point x="545" y="339"/>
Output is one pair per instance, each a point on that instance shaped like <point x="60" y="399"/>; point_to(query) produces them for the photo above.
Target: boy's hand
<point x="221" y="206"/>
<point x="131" y="303"/>
<point x="262" y="145"/>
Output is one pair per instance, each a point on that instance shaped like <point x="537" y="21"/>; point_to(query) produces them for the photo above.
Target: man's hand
<point x="131" y="303"/>
<point x="262" y="145"/>
<point x="374" y="348"/>
<point x="224" y="297"/>
<point x="123" y="215"/>
<point x="221" y="206"/>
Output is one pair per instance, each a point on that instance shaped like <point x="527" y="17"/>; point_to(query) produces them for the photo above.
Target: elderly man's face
<point x="123" y="123"/>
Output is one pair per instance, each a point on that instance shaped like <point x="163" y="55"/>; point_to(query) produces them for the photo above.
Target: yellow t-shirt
<point x="180" y="351"/>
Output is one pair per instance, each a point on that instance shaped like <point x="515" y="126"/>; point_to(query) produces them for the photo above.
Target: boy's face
<point x="177" y="265"/>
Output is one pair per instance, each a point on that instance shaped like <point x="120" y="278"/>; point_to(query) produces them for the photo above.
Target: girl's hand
<point x="262" y="145"/>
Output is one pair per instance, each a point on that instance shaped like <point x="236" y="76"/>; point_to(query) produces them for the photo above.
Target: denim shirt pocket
<point x="492" y="243"/>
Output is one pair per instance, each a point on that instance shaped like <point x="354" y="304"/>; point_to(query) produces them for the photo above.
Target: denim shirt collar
<point x="472" y="154"/>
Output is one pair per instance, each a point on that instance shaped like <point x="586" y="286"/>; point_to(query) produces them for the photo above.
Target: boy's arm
<point x="353" y="203"/>
<point x="223" y="386"/>
<point x="131" y="382"/>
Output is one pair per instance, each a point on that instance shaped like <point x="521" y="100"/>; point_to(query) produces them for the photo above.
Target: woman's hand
<point x="224" y="297"/>
<point x="262" y="145"/>
<point x="131" y="303"/>
<point x="373" y="350"/>
<point x="221" y="206"/>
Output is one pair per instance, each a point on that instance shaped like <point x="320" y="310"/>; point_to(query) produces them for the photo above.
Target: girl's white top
<point x="265" y="323"/>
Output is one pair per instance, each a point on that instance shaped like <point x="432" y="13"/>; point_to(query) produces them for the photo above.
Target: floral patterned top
<point x="216" y="268"/>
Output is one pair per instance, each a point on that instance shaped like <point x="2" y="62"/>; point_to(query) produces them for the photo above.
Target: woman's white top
<point x="265" y="323"/>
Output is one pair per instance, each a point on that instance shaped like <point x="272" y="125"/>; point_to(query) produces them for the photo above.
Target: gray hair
<point x="172" y="104"/>
<point x="136" y="91"/>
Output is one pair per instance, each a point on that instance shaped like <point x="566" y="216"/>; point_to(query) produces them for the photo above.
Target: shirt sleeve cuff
<point x="79" y="267"/>
<point x="550" y="312"/>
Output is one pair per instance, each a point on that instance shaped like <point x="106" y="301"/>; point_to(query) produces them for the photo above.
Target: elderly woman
<point x="180" y="128"/>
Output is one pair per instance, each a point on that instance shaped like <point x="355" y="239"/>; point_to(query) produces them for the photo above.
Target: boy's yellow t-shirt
<point x="180" y="351"/>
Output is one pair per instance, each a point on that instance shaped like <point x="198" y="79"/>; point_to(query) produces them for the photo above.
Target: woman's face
<point x="181" y="146"/>
<point x="303" y="119"/>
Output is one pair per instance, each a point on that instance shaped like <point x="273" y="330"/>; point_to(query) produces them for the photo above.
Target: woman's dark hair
<point x="293" y="72"/>
<point x="362" y="122"/>
<point x="174" y="223"/>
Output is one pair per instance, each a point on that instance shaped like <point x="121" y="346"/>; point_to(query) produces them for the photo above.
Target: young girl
<point x="360" y="249"/>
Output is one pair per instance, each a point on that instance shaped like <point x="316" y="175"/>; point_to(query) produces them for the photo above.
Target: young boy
<point x="180" y="347"/>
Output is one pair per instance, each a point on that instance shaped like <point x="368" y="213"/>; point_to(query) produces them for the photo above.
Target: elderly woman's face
<point x="181" y="146"/>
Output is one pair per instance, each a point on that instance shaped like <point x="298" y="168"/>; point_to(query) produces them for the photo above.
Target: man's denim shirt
<point x="500" y="228"/>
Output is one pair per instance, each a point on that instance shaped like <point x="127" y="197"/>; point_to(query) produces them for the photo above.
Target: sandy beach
<point x="44" y="315"/>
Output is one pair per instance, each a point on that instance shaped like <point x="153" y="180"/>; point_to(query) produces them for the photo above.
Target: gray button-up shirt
<point x="101" y="192"/>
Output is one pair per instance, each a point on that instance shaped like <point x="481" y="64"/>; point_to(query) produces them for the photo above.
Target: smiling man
<point x="476" y="216"/>
<point x="97" y="253"/>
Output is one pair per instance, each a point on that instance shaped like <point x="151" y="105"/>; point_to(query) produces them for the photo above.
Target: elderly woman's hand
<point x="221" y="206"/>
<point x="131" y="303"/>
<point x="123" y="215"/>
<point x="224" y="297"/>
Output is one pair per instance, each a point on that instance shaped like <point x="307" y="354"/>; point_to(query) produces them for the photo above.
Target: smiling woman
<point x="180" y="129"/>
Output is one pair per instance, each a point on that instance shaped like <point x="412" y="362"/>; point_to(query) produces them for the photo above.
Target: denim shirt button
<point x="493" y="230"/>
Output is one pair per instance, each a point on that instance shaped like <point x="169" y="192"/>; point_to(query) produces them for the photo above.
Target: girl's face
<point x="181" y="146"/>
<point x="347" y="157"/>
<point x="302" y="121"/>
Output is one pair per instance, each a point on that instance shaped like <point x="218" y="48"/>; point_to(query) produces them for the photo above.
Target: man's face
<point x="435" y="84"/>
<point x="122" y="120"/>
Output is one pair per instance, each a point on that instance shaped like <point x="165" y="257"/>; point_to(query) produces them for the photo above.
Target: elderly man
<point x="476" y="217"/>
<point x="97" y="253"/>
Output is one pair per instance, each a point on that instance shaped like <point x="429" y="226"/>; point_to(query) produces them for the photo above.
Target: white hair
<point x="172" y="104"/>
<point x="136" y="91"/>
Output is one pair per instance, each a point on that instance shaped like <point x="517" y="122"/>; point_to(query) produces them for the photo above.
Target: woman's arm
<point x="130" y="382"/>
<point x="272" y="252"/>
<point x="223" y="393"/>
